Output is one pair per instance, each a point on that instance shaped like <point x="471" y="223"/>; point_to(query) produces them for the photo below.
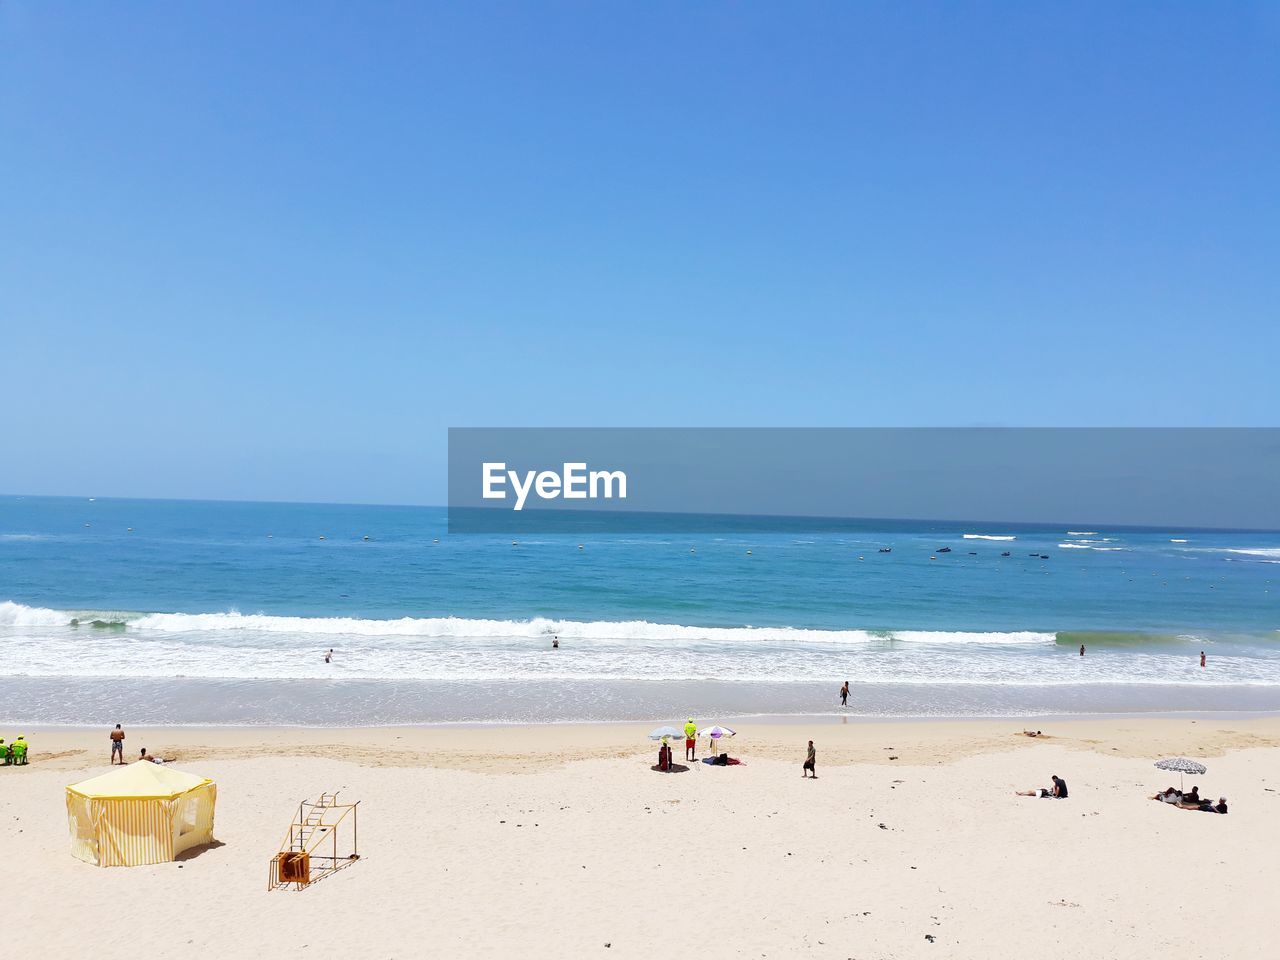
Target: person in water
<point x="844" y="694"/>
<point x="1082" y="649"/>
<point x="1202" y="658"/>
<point x="555" y="643"/>
<point x="328" y="657"/>
<point x="810" y="762"/>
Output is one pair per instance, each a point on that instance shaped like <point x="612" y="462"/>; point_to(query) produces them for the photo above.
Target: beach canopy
<point x="716" y="732"/>
<point x="140" y="813"/>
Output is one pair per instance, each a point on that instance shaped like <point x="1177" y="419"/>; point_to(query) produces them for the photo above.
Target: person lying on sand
<point x="1032" y="733"/>
<point x="1168" y="795"/>
<point x="150" y="758"/>
<point x="1208" y="806"/>
<point x="1057" y="791"/>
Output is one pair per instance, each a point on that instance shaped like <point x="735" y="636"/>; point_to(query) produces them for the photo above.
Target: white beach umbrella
<point x="664" y="732"/>
<point x="1182" y="765"/>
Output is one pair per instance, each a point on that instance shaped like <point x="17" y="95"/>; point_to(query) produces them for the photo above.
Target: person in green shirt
<point x="691" y="740"/>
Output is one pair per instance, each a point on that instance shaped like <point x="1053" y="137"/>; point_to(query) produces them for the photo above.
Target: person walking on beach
<point x="810" y="761"/>
<point x="1202" y="658"/>
<point x="117" y="744"/>
<point x="844" y="694"/>
<point x="691" y="740"/>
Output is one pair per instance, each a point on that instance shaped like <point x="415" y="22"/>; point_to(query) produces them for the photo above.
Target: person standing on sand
<point x="691" y="740"/>
<point x="1202" y="658"/>
<point x="810" y="762"/>
<point x="117" y="744"/>
<point x="844" y="694"/>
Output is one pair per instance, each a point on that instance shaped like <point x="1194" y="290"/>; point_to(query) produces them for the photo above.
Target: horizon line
<point x="649" y="513"/>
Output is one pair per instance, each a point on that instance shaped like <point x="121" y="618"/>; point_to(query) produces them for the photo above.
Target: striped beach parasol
<point x="1182" y="765"/>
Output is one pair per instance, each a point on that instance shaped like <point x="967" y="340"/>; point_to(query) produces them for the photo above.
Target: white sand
<point x="746" y="861"/>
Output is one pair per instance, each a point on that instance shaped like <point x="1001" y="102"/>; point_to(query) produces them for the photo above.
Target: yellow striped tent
<point x="140" y="813"/>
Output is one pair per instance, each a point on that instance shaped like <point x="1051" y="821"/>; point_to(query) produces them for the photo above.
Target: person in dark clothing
<point x="1058" y="791"/>
<point x="844" y="694"/>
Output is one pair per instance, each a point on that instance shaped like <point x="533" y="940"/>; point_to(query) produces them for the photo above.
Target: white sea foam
<point x="948" y="637"/>
<point x="986" y="536"/>
<point x="20" y="615"/>
<point x="1272" y="552"/>
<point x="446" y="628"/>
<point x="1177" y="541"/>
<point x="1088" y="545"/>
<point x="1082" y="533"/>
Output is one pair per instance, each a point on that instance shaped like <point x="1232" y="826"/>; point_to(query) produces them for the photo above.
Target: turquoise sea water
<point x="170" y="611"/>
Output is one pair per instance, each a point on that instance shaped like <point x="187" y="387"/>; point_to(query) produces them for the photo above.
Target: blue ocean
<point x="201" y="612"/>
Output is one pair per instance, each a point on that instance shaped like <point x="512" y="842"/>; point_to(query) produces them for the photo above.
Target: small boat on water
<point x="944" y="550"/>
<point x="1005" y="554"/>
<point x="886" y="549"/>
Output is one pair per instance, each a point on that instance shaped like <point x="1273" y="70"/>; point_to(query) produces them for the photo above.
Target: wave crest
<point x="538" y="628"/>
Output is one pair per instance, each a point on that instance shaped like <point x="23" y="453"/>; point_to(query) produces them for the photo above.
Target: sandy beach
<point x="553" y="841"/>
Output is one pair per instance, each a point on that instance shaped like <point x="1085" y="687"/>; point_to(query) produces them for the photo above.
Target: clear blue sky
<point x="274" y="250"/>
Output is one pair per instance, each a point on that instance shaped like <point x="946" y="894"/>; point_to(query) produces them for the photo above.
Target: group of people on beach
<point x="13" y="754"/>
<point x="1190" y="800"/>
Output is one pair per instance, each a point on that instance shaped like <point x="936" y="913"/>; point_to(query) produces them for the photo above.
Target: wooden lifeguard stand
<point x="321" y="841"/>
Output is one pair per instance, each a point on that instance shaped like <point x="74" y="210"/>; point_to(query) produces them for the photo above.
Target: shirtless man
<point x="117" y="745"/>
